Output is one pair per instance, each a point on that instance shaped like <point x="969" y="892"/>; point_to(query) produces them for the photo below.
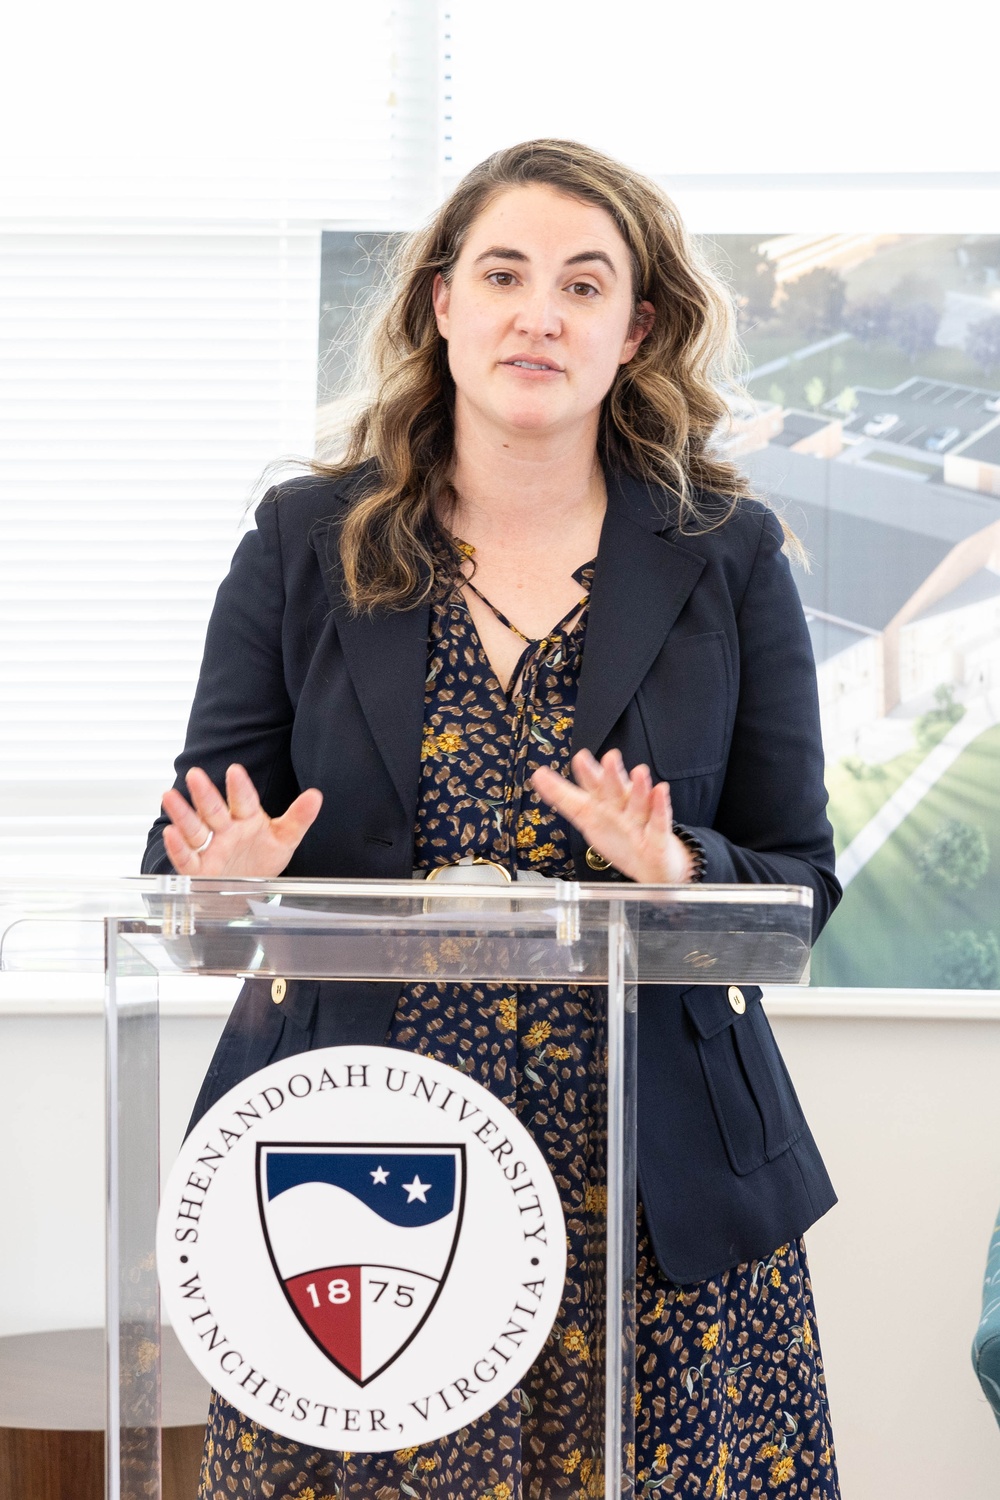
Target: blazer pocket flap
<point x="710" y="1009"/>
<point x="685" y="703"/>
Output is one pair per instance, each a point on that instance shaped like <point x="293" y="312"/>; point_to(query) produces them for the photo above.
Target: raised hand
<point x="233" y="835"/>
<point x="622" y="815"/>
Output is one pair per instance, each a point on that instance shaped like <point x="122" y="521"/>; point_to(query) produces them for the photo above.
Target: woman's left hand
<point x="622" y="815"/>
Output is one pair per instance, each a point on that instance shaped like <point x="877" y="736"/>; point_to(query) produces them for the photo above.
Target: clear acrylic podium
<point x="141" y="931"/>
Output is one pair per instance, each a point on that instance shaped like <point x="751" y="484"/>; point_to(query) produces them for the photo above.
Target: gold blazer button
<point x="596" y="861"/>
<point x="279" y="988"/>
<point x="736" y="1000"/>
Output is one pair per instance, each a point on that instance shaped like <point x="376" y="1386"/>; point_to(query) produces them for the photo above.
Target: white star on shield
<point x="416" y="1189"/>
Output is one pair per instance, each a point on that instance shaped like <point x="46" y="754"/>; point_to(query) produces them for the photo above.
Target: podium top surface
<point x="409" y="929"/>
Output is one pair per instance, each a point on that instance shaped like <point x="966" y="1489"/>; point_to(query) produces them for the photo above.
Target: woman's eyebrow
<point x="500" y="252"/>
<point x="503" y="252"/>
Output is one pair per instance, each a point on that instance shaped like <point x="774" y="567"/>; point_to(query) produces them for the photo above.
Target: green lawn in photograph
<point x="771" y="341"/>
<point x="854" y="800"/>
<point x="880" y="367"/>
<point x="910" y="465"/>
<point x="890" y="923"/>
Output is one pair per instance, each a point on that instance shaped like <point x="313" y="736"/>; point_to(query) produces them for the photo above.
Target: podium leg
<point x="619" y="1383"/>
<point x="133" y="1467"/>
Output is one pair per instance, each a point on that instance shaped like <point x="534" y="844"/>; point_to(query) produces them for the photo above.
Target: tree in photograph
<point x="776" y="393"/>
<point x="935" y="723"/>
<point x="963" y="961"/>
<point x="814" y="304"/>
<point x="758" y="292"/>
<point x="870" y="321"/>
<point x="917" y="288"/>
<point x="846" y="402"/>
<point x="982" y="343"/>
<point x="863" y="770"/>
<point x="955" y="858"/>
<point x="914" y="328"/>
<point x="814" y="392"/>
<point x="749" y="275"/>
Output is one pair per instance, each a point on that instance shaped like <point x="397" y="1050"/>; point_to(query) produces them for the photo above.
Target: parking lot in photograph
<point x="931" y="416"/>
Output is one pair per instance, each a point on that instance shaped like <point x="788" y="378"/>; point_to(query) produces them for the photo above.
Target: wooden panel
<point x="182" y="1449"/>
<point x="40" y="1465"/>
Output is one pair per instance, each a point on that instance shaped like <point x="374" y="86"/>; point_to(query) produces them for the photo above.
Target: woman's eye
<point x="583" y="289"/>
<point x="501" y="278"/>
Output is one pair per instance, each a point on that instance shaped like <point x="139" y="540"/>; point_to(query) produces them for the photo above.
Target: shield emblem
<point x="361" y="1237"/>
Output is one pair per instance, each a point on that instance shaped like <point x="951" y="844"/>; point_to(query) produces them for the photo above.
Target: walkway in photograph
<point x="978" y="717"/>
<point x="773" y="365"/>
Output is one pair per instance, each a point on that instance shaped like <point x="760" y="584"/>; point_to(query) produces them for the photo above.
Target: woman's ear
<point x="441" y="298"/>
<point x="642" y="322"/>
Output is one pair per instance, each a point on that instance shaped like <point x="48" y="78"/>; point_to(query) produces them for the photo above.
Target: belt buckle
<point x="461" y="872"/>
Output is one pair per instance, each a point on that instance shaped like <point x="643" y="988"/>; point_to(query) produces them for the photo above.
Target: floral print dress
<point x="730" y="1393"/>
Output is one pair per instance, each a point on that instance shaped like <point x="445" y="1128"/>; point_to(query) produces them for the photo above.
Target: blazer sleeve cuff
<point x="718" y="868"/>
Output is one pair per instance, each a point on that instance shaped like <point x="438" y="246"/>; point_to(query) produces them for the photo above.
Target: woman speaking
<point x="532" y="620"/>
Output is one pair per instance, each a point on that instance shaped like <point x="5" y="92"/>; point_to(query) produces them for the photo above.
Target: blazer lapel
<point x="386" y="656"/>
<point x="641" y="583"/>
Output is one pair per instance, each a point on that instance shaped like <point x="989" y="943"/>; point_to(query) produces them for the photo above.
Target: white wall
<point x="905" y="1112"/>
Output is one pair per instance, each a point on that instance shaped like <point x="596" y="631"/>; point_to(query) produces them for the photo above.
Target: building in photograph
<point x="975" y="464"/>
<point x="897" y="569"/>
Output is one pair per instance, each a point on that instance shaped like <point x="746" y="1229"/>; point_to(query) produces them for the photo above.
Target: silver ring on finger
<point x="202" y="847"/>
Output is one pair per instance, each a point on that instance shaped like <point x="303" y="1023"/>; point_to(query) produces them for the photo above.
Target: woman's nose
<point x="538" y="315"/>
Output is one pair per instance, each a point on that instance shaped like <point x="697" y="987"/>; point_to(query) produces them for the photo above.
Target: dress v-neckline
<point x="533" y="646"/>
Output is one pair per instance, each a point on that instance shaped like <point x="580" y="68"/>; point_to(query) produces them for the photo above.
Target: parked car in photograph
<point x="880" y="423"/>
<point x="941" y="438"/>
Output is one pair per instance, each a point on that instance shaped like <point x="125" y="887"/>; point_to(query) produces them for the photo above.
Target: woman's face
<point x="539" y="313"/>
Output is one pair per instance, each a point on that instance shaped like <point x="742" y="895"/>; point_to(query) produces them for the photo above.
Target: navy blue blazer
<point x="697" y="661"/>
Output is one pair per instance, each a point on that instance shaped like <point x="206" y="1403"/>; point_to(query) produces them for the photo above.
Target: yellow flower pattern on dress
<point x="595" y="1198"/>
<point x="574" y="1341"/>
<point x="691" y="1434"/>
<point x="537" y="1033"/>
<point x="449" y="742"/>
<point x="710" y="1338"/>
<point x="542" y="852"/>
<point x="507" y="1013"/>
<point x="782" y="1469"/>
<point x="720" y="1473"/>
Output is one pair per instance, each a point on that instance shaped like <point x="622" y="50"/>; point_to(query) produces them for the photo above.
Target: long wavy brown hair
<point x="658" y="418"/>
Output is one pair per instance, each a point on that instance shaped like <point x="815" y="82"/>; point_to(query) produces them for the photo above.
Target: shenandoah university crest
<point x="361" y="1249"/>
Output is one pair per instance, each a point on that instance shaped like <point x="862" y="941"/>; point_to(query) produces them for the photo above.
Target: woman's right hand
<point x="244" y="840"/>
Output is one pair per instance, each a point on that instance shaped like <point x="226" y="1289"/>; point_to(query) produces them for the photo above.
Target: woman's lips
<point x="531" y="369"/>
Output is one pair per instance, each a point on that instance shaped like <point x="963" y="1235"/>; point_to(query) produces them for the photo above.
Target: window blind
<point x="159" y="305"/>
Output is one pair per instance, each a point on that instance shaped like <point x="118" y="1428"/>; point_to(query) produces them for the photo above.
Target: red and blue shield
<point x="362" y="1238"/>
